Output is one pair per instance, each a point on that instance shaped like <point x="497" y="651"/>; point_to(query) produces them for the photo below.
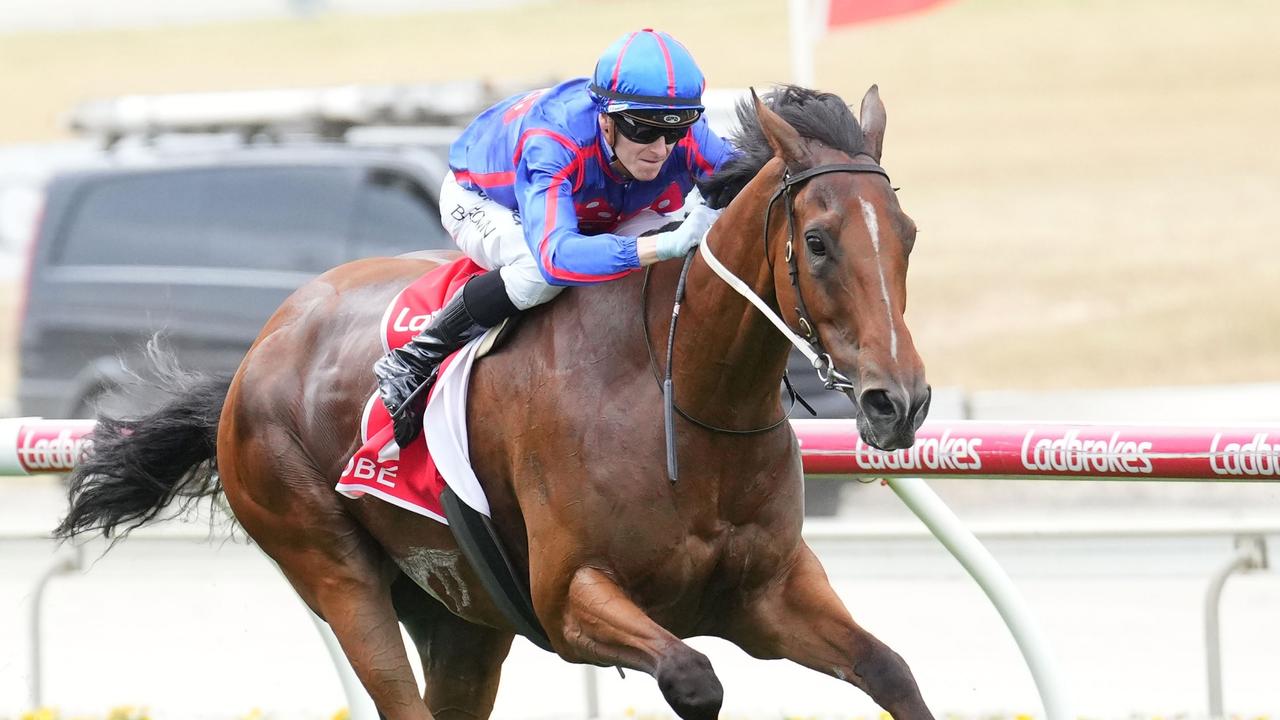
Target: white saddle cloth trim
<point x="445" y="425"/>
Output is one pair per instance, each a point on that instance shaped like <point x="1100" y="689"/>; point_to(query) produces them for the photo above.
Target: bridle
<point x="831" y="378"/>
<point x="808" y="343"/>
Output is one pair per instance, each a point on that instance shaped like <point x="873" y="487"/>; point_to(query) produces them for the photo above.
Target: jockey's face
<point x="644" y="162"/>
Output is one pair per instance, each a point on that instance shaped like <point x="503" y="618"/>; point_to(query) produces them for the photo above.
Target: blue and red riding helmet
<point x="649" y="71"/>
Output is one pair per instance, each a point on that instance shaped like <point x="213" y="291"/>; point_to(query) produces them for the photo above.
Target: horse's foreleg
<point x="801" y="619"/>
<point x="603" y="626"/>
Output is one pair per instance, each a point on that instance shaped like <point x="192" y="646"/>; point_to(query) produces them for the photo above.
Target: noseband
<point x="831" y="378"/>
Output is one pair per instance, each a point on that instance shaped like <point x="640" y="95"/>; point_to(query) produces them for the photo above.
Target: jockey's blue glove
<point x="675" y="243"/>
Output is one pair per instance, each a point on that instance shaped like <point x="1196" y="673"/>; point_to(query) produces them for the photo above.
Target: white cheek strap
<point x="830" y="377"/>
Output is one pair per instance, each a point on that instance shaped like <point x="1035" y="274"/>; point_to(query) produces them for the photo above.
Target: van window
<point x="395" y="215"/>
<point x="266" y="218"/>
<point x="134" y="220"/>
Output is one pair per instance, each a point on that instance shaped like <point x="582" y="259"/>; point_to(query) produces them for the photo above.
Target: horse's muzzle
<point x="888" y="418"/>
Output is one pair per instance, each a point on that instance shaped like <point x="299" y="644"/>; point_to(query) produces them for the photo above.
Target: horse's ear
<point x="783" y="138"/>
<point x="872" y="120"/>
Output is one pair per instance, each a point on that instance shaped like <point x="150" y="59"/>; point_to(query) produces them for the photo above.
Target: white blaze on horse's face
<point x="873" y="227"/>
<point x="856" y="295"/>
<point x="856" y="247"/>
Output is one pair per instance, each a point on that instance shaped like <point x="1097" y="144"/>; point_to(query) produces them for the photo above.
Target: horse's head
<point x="840" y="260"/>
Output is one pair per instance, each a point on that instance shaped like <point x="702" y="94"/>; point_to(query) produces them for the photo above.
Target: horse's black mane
<point x="815" y="115"/>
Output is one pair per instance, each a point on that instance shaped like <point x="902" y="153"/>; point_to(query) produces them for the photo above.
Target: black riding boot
<point x="406" y="374"/>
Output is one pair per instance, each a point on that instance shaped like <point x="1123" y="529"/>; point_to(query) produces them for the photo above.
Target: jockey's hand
<point x="676" y="243"/>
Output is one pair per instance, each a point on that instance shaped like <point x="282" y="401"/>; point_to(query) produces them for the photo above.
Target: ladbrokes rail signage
<point x="32" y="445"/>
<point x="942" y="449"/>
<point x="1050" y="450"/>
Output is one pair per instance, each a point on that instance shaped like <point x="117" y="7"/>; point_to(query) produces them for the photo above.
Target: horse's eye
<point x="815" y="243"/>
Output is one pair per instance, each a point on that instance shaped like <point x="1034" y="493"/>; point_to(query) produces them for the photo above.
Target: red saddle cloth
<point x="406" y="477"/>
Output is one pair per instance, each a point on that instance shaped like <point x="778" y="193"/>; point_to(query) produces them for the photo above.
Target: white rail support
<point x="63" y="565"/>
<point x="1251" y="554"/>
<point x="984" y="569"/>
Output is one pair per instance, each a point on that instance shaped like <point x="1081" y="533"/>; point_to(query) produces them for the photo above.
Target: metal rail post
<point x="983" y="568"/>
<point x="592" y="688"/>
<point x="1251" y="554"/>
<point x="60" y="566"/>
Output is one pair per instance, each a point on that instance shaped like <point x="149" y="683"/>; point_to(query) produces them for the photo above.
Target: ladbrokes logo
<point x="1256" y="457"/>
<point x="405" y="322"/>
<point x="941" y="453"/>
<point x="46" y="450"/>
<point x="1068" y="453"/>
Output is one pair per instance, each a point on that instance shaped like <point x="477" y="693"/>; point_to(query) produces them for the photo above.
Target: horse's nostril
<point x="921" y="410"/>
<point x="878" y="405"/>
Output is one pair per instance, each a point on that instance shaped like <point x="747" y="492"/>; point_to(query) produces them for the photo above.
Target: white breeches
<point x="492" y="236"/>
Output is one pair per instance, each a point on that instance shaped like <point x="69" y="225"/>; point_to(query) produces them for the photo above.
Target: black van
<point x="201" y="249"/>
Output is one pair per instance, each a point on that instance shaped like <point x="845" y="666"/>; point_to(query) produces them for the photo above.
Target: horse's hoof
<point x="690" y="685"/>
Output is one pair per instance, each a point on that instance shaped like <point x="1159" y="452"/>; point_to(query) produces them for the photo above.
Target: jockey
<point x="554" y="187"/>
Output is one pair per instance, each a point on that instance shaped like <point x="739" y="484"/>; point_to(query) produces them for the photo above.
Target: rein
<point x="809" y="344"/>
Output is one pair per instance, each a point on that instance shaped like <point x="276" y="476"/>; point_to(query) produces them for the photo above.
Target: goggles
<point x="643" y="130"/>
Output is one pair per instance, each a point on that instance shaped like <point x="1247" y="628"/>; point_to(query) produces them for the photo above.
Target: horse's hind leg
<point x="801" y="619"/>
<point x="462" y="661"/>
<point x="603" y="626"/>
<point x="333" y="564"/>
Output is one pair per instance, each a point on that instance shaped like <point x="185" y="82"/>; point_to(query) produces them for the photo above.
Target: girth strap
<point x="478" y="540"/>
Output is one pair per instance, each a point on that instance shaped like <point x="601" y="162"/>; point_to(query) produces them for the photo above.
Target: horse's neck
<point x="729" y="355"/>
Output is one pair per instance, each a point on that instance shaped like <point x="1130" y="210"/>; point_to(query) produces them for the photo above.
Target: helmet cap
<point x="647" y="70"/>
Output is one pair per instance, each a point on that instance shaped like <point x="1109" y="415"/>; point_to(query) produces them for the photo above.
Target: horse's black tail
<point x="135" y="468"/>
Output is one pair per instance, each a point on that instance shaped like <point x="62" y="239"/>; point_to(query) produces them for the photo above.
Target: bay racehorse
<point x="567" y="437"/>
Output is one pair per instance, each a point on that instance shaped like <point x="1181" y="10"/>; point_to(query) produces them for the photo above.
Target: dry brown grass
<point x="1096" y="182"/>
